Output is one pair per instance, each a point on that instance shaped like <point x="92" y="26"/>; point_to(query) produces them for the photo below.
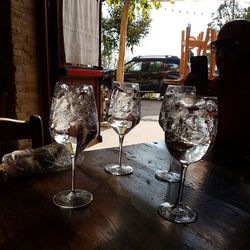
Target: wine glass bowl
<point x="190" y="123"/>
<point x="73" y="123"/>
<point x="123" y="114"/>
<point x="171" y="175"/>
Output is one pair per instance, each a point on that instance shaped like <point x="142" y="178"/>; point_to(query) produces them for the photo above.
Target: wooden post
<point x="122" y="42"/>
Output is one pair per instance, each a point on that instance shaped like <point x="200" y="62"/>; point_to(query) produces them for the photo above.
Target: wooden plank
<point x="123" y="214"/>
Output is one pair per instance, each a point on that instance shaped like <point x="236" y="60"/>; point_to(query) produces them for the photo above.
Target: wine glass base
<point x="116" y="169"/>
<point x="72" y="199"/>
<point x="168" y="176"/>
<point x="179" y="214"/>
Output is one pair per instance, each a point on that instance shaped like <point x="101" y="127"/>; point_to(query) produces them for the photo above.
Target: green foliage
<point x="143" y="4"/>
<point x="227" y="11"/>
<point x="138" y="26"/>
<point x="110" y="38"/>
<point x="247" y="16"/>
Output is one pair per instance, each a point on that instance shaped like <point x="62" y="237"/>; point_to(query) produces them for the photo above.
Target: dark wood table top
<point x="123" y="214"/>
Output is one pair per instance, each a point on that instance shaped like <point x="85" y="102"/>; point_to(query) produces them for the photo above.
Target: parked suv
<point x="148" y="71"/>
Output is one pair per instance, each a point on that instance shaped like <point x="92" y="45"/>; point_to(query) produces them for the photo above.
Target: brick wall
<point x="19" y="74"/>
<point x="23" y="31"/>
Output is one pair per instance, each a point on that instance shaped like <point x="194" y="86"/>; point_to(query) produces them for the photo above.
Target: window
<point x="133" y="67"/>
<point x="53" y="54"/>
<point x="80" y="24"/>
<point x="155" y="66"/>
<point x="172" y="66"/>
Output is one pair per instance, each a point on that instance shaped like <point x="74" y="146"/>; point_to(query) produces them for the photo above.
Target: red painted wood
<point x="84" y="72"/>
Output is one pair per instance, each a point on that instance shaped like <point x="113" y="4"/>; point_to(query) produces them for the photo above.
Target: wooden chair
<point x="189" y="42"/>
<point x="12" y="130"/>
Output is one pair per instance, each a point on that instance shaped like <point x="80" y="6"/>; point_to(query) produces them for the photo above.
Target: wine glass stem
<point x="73" y="173"/>
<point x="171" y="164"/>
<point x="181" y="185"/>
<point x="121" y="138"/>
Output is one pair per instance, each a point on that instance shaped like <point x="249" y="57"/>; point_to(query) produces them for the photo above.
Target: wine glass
<point x="73" y="123"/>
<point x="171" y="175"/>
<point x="190" y="125"/>
<point x="123" y="114"/>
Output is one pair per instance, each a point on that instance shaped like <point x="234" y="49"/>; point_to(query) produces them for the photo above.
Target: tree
<point x="130" y="7"/>
<point x="247" y="16"/>
<point x="138" y="28"/>
<point x="227" y="11"/>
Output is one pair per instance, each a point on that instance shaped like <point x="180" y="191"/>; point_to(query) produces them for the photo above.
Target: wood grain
<point x="123" y="214"/>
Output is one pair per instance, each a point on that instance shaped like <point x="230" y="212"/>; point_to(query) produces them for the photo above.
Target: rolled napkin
<point x="49" y="158"/>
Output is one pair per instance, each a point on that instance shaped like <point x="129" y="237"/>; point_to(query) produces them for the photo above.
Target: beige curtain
<point x="81" y="31"/>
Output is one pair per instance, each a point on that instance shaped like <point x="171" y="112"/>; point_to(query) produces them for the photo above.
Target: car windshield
<point x="172" y="65"/>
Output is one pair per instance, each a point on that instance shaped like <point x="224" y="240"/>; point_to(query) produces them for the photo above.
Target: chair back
<point x="12" y="129"/>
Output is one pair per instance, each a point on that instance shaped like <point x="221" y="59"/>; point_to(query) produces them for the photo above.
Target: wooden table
<point x="123" y="214"/>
